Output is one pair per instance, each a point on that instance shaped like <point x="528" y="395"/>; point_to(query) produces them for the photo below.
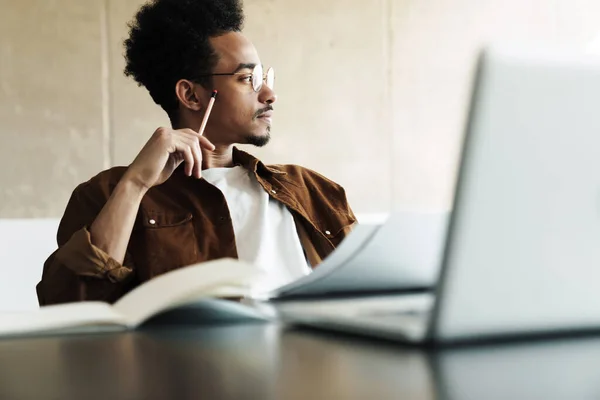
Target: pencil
<point x="207" y="113"/>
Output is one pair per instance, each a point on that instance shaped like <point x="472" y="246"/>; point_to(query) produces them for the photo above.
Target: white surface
<point x="24" y="246"/>
<point x="372" y="218"/>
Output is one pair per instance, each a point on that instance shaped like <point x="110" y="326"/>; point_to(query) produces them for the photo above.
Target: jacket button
<point x="327" y="233"/>
<point x="152" y="222"/>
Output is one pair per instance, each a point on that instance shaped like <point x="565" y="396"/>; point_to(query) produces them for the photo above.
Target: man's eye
<point x="247" y="78"/>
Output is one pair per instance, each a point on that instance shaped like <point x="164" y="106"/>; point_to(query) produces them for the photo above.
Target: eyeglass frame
<point x="262" y="81"/>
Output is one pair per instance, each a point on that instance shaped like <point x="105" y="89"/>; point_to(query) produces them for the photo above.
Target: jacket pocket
<point x="162" y="242"/>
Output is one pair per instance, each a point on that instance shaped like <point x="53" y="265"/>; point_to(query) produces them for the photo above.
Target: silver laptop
<point x="522" y="252"/>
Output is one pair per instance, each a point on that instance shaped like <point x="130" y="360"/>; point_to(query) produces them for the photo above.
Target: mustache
<point x="262" y="111"/>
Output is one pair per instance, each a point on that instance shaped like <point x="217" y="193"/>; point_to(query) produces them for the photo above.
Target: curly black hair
<point x="169" y="40"/>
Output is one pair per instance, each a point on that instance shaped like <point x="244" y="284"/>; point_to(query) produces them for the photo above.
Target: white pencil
<point x="207" y="113"/>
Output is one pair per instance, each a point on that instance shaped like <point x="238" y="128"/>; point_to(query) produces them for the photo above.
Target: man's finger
<point x="205" y="143"/>
<point x="197" y="154"/>
<point x="186" y="151"/>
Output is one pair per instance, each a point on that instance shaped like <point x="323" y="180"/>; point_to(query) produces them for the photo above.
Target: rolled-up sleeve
<point x="78" y="270"/>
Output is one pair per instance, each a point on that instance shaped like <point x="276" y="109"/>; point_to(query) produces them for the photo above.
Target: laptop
<point x="522" y="250"/>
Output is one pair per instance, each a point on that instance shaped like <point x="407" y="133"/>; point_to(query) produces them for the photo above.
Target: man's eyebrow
<point x="244" y="66"/>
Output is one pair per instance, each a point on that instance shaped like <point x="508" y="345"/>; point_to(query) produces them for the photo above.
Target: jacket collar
<point x="253" y="164"/>
<point x="249" y="162"/>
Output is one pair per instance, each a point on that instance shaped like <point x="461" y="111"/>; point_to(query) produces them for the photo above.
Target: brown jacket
<point x="182" y="222"/>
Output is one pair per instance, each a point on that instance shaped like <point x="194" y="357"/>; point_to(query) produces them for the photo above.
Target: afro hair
<point x="169" y="40"/>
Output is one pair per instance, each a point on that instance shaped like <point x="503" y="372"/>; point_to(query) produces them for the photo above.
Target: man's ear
<point x="190" y="95"/>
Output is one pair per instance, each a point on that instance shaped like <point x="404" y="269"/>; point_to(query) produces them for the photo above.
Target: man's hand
<point x="164" y="152"/>
<point x="155" y="163"/>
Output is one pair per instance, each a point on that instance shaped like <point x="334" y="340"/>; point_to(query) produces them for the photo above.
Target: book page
<point x="225" y="277"/>
<point x="63" y="318"/>
<point x="404" y="253"/>
<point x="351" y="245"/>
<point x="207" y="311"/>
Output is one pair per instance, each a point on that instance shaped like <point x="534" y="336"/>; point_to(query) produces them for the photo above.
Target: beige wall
<point x="371" y="94"/>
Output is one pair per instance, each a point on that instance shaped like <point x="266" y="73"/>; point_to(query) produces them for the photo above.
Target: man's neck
<point x="221" y="157"/>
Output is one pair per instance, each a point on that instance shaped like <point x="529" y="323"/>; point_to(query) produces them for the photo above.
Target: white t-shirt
<point x="265" y="232"/>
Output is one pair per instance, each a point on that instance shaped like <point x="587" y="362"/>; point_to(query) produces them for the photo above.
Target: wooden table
<point x="263" y="361"/>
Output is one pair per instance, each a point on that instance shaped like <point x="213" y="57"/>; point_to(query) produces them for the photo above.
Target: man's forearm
<point x="112" y="228"/>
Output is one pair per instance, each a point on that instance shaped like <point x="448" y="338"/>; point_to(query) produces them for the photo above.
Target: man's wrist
<point x="132" y="188"/>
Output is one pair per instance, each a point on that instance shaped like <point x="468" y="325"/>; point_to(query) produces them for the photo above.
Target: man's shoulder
<point x="321" y="197"/>
<point x="102" y="184"/>
<point x="303" y="176"/>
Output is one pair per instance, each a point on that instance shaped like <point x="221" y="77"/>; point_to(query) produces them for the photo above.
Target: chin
<point x="259" y="140"/>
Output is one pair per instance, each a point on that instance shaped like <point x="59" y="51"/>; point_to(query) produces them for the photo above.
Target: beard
<point x="259" y="141"/>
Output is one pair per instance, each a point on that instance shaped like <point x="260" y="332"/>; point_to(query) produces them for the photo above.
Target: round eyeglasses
<point x="257" y="75"/>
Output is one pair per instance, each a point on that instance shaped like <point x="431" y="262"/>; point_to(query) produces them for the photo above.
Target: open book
<point x="403" y="253"/>
<point x="196" y="288"/>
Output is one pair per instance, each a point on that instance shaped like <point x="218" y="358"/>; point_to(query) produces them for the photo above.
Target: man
<point x="188" y="198"/>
